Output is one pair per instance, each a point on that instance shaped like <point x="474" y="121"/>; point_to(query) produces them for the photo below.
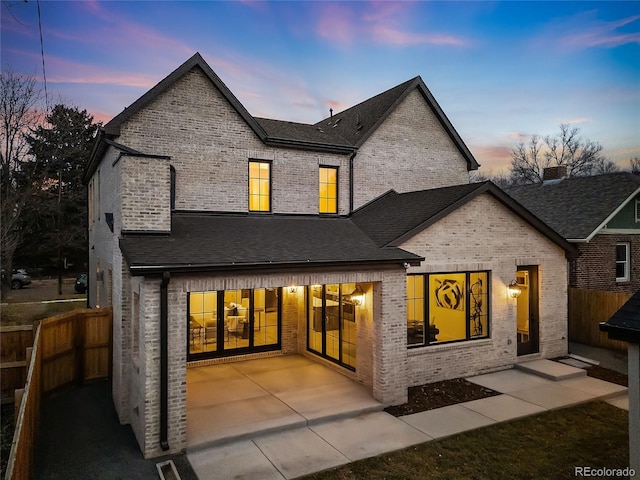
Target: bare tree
<point x="604" y="166"/>
<point x="567" y="148"/>
<point x="18" y="115"/>
<point x="501" y="178"/>
<point x="635" y="165"/>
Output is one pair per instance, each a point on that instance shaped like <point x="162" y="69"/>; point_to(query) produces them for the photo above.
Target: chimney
<point x="554" y="173"/>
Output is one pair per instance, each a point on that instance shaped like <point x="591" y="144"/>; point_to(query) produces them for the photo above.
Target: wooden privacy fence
<point x="14" y="341"/>
<point x="69" y="348"/>
<point x="587" y="308"/>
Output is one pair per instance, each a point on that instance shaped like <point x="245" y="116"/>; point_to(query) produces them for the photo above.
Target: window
<point x="259" y="186"/>
<point x="637" y="211"/>
<point x="233" y="322"/>
<point x="328" y="191"/>
<point x="447" y="307"/>
<point x="623" y="262"/>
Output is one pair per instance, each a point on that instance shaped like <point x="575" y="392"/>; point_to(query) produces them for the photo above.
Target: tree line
<point x="566" y="148"/>
<point x="43" y="202"/>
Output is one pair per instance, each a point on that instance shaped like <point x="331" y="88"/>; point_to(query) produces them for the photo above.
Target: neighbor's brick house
<point x="600" y="216"/>
<point x="357" y="242"/>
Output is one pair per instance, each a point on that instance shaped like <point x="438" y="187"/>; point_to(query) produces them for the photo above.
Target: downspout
<point x="351" y="183"/>
<point x="164" y="359"/>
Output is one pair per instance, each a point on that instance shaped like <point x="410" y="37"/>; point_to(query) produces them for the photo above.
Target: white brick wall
<point x="485" y="235"/>
<point x="409" y="151"/>
<point x="210" y="146"/>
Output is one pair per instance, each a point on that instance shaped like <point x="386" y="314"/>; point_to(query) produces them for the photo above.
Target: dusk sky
<point x="500" y="70"/>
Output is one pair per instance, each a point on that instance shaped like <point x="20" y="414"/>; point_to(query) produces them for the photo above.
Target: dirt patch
<point x="6" y="436"/>
<point x="608" y="375"/>
<point x="440" y="394"/>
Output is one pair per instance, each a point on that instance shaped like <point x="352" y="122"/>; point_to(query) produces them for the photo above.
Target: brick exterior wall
<point x="409" y="151"/>
<point x="210" y="146"/>
<point x="595" y="269"/>
<point x="484" y="235"/>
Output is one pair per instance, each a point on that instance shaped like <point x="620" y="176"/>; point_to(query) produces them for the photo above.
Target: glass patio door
<point x="331" y="317"/>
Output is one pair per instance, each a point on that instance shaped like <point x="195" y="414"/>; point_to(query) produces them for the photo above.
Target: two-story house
<point x="357" y="242"/>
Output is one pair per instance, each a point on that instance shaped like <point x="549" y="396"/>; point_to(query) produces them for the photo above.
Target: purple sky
<point x="500" y="70"/>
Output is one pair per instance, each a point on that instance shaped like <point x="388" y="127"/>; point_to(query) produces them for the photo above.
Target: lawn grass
<point x="27" y="313"/>
<point x="544" y="446"/>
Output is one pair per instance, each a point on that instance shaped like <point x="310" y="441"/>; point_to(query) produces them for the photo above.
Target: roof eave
<point x="616" y="332"/>
<point x="507" y="201"/>
<point x="315" y="146"/>
<point x="141" y="270"/>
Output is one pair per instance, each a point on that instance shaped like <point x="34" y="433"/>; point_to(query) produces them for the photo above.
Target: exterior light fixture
<point x="514" y="289"/>
<point x="357" y="296"/>
<point x="293" y="289"/>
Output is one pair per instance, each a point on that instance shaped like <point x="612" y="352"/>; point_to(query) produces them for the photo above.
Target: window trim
<point x="637" y="211"/>
<point x="426" y="305"/>
<point x="269" y="163"/>
<point x="330" y="167"/>
<point x="626" y="262"/>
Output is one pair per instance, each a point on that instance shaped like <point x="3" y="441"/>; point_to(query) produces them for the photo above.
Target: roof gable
<point x="112" y="128"/>
<point x="358" y="123"/>
<point x="394" y="217"/>
<point x="579" y="207"/>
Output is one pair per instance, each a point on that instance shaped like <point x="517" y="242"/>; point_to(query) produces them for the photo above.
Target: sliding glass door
<point x="232" y="322"/>
<point x="331" y="317"/>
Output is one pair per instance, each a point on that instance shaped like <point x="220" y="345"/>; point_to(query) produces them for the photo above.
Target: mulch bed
<point x="440" y="394"/>
<point x="459" y="390"/>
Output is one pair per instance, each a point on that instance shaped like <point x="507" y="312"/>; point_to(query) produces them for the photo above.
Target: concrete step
<point x="281" y="424"/>
<point x="552" y="370"/>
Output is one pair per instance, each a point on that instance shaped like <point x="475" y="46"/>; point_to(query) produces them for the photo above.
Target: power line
<point x="44" y="72"/>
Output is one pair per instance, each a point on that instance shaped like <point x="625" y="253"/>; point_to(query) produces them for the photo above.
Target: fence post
<point x="78" y="325"/>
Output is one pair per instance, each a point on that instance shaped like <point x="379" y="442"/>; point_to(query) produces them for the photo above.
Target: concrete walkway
<point x="318" y="444"/>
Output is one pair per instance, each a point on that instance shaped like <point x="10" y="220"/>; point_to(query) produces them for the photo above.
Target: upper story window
<point x="637" y="211"/>
<point x="328" y="190"/>
<point x="623" y="262"/>
<point x="259" y="186"/>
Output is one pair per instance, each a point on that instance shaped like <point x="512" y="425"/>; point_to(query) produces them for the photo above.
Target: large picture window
<point x="259" y="186"/>
<point x="447" y="307"/>
<point x="328" y="190"/>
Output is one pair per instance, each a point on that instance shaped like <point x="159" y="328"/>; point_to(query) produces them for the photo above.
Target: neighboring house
<point x="600" y="216"/>
<point x="357" y="242"/>
<point x="624" y="325"/>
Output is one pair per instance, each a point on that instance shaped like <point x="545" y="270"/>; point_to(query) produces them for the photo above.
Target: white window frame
<point x="637" y="211"/>
<point x="626" y="262"/>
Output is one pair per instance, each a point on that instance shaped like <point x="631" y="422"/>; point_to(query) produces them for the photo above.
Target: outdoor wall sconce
<point x="293" y="289"/>
<point x="514" y="289"/>
<point x="357" y="296"/>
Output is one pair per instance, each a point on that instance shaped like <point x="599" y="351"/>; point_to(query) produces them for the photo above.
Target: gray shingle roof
<point x="357" y="123"/>
<point x="394" y="217"/>
<point x="576" y="207"/>
<point x="625" y="323"/>
<point x="301" y="132"/>
<point x="228" y="241"/>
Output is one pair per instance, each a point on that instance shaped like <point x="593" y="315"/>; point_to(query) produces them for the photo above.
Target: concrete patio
<point x="297" y="432"/>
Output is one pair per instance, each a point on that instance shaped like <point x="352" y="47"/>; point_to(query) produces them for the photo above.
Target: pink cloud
<point x="603" y="34"/>
<point x="392" y="36"/>
<point x="336" y="23"/>
<point x="381" y="22"/>
<point x="576" y="121"/>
